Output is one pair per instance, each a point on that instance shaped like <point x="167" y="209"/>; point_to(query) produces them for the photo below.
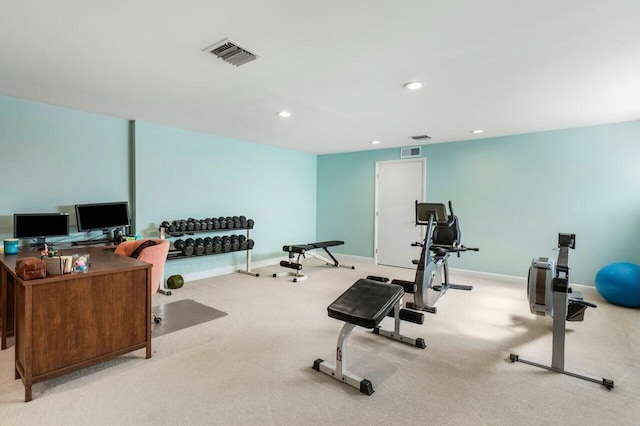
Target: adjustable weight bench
<point x="366" y="303"/>
<point x="308" y="249"/>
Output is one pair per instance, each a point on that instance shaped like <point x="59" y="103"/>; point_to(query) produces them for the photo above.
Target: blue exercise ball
<point x="619" y="283"/>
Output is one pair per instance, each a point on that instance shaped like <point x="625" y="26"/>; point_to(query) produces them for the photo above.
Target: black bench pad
<point x="325" y="244"/>
<point x="298" y="248"/>
<point x="301" y="248"/>
<point x="366" y="303"/>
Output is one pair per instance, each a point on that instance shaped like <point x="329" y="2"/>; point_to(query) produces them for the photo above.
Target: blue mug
<point x="11" y="245"/>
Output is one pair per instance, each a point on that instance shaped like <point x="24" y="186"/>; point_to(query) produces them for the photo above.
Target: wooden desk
<point x="67" y="322"/>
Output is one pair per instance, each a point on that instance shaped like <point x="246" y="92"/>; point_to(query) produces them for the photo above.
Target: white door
<point x="399" y="184"/>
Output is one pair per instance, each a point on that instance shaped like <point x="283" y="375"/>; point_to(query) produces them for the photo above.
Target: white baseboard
<point x="489" y="276"/>
<point x="351" y="258"/>
<point x="463" y="272"/>
<point x="512" y="279"/>
<point x="224" y="270"/>
<point x="347" y="258"/>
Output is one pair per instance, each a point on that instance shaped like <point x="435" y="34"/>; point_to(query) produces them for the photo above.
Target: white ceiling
<point x="505" y="66"/>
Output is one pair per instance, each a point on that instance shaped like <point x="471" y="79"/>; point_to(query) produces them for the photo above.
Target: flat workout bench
<point x="308" y="249"/>
<point x="364" y="304"/>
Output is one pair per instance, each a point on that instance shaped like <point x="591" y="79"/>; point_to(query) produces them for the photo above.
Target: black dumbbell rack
<point x="192" y="227"/>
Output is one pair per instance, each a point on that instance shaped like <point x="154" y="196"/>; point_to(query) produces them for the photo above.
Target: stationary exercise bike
<point x="549" y="294"/>
<point x="432" y="275"/>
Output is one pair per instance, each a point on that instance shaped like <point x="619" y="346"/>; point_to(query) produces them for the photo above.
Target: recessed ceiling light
<point x="284" y="114"/>
<point x="413" y="85"/>
<point x="375" y="142"/>
<point x="477" y="131"/>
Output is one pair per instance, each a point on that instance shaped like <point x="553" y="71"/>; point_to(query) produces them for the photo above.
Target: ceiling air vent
<point x="421" y="137"/>
<point x="229" y="51"/>
<point x="410" y="152"/>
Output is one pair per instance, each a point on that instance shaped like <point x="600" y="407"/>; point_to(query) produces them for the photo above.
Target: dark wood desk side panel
<point x="20" y="322"/>
<point x="87" y="318"/>
<point x="11" y="285"/>
<point x="7" y="285"/>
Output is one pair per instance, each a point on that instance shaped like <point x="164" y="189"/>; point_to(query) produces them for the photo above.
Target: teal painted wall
<point x="181" y="174"/>
<point x="346" y="188"/>
<point x="513" y="195"/>
<point x="52" y="158"/>
<point x="58" y="157"/>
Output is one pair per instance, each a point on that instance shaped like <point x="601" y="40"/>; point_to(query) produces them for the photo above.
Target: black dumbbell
<point x="190" y="225"/>
<point x="209" y="223"/>
<point x="242" y="238"/>
<point x="184" y="247"/>
<point x="244" y="244"/>
<point x="208" y="245"/>
<point x="235" y="243"/>
<point x="237" y="223"/>
<point x="216" y="223"/>
<point x="217" y="244"/>
<point x="179" y="244"/>
<point x="230" y="223"/>
<point x="250" y="223"/>
<point x="168" y="227"/>
<point x="198" y="247"/>
<point x="180" y="224"/>
<point x="223" y="222"/>
<point x="250" y="243"/>
<point x="226" y="244"/>
<point x="243" y="221"/>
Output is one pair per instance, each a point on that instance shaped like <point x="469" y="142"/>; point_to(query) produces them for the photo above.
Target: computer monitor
<point x="102" y="216"/>
<point x="40" y="225"/>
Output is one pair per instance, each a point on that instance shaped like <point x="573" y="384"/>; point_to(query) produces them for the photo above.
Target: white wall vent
<point x="410" y="152"/>
<point x="229" y="51"/>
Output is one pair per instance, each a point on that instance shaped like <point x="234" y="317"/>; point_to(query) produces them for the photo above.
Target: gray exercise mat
<point x="182" y="314"/>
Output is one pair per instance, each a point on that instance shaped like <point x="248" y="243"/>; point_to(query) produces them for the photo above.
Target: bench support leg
<point x="297" y="276"/>
<point x="339" y="370"/>
<point x="333" y="261"/>
<point x="396" y="334"/>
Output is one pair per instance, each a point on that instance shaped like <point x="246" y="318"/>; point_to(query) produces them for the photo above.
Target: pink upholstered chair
<point x="154" y="254"/>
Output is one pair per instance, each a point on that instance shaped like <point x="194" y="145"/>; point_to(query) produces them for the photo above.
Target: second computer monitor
<point x="102" y="216"/>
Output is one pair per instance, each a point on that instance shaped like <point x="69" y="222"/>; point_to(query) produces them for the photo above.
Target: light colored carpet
<point x="253" y="366"/>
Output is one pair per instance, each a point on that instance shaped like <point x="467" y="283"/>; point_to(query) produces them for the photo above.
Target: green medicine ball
<point x="175" y="281"/>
